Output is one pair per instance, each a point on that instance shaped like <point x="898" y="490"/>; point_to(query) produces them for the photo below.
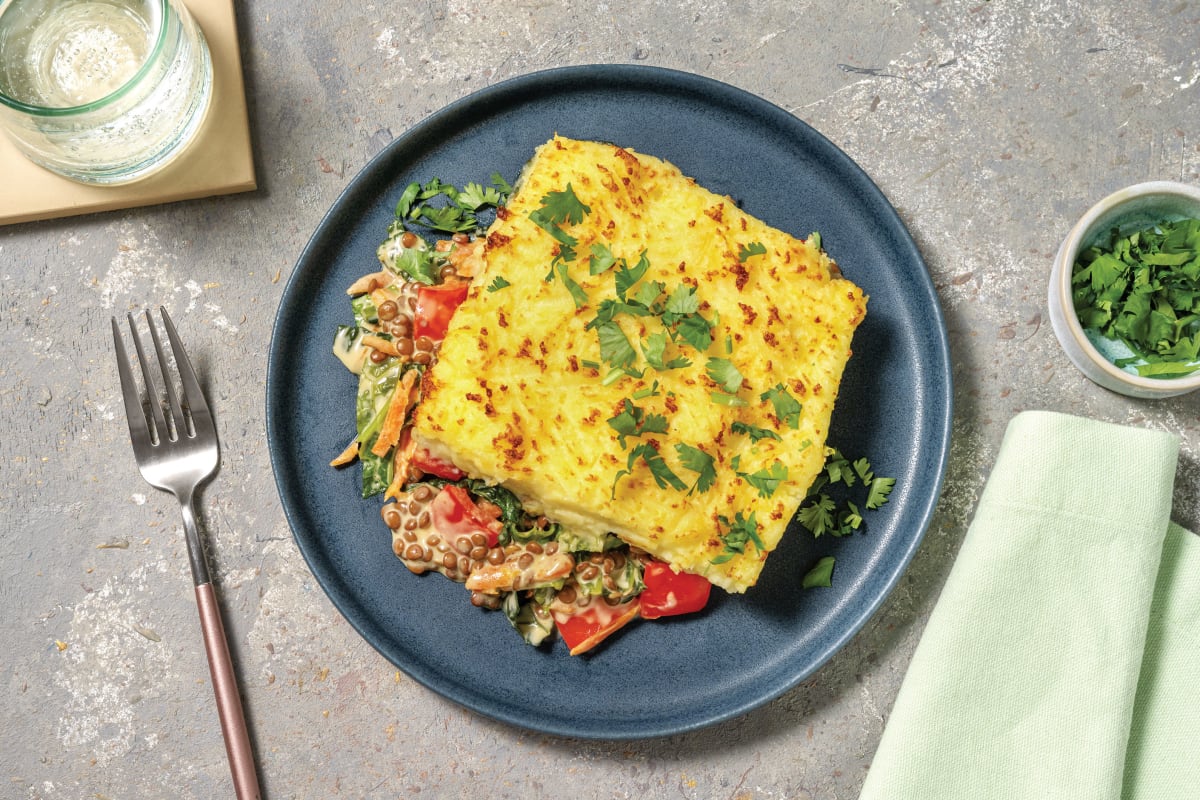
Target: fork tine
<point x="160" y="423"/>
<point x="180" y="423"/>
<point x="193" y="397"/>
<point x="129" y="391"/>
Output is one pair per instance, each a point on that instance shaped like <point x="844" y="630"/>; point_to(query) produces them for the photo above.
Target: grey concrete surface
<point x="991" y="126"/>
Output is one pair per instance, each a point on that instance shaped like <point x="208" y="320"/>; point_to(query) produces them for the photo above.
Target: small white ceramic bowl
<point x="1128" y="209"/>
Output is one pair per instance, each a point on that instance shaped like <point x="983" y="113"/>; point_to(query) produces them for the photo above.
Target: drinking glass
<point x="102" y="91"/>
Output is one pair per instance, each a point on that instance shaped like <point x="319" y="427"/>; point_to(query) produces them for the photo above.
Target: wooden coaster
<point x="219" y="161"/>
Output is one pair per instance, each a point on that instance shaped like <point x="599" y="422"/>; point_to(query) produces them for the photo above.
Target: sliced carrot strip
<point x="403" y="398"/>
<point x="400" y="462"/>
<point x="347" y="455"/>
<point x="368" y="283"/>
<point x="380" y="344"/>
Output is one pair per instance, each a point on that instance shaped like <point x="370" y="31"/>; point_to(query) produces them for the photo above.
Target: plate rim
<point x="623" y="77"/>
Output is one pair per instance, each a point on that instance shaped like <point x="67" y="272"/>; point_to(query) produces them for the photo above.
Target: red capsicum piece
<point x="454" y="514"/>
<point x="585" y="629"/>
<point x="669" y="592"/>
<point x="435" y="306"/>
<point x="425" y="461"/>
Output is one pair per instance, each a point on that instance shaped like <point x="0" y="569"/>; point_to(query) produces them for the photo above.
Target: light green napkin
<point x="1063" y="656"/>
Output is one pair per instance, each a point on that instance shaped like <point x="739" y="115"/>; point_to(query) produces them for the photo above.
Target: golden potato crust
<point x="519" y="394"/>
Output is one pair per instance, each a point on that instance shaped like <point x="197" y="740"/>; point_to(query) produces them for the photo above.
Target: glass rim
<point x="164" y="9"/>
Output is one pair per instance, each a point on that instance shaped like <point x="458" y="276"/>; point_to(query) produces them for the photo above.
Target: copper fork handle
<point x="229" y="702"/>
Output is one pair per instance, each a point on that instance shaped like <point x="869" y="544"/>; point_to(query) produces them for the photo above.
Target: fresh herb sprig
<point x="445" y="208"/>
<point x="821" y="514"/>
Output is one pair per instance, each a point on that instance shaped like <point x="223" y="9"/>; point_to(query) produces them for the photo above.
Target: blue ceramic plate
<point x="652" y="679"/>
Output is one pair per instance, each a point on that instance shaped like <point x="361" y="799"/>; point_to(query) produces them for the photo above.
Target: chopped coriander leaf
<point x="767" y="480"/>
<point x="474" y="196"/>
<point x="817" y="514"/>
<point x="446" y="218"/>
<point x="601" y="259"/>
<point x="787" y="408"/>
<point x="755" y="433"/>
<point x="849" y="520"/>
<point x="566" y="242"/>
<point x="634" y="421"/>
<point x="407" y="198"/>
<point x="700" y="462"/>
<point x="740" y="531"/>
<point x="559" y="207"/>
<point x="839" y="469"/>
<point x="820" y="575"/>
<point x="588" y="363"/>
<point x="662" y="474"/>
<point x="725" y="374"/>
<point x="498" y="283"/>
<point x="863" y="468"/>
<point x="501" y="185"/>
<point x="609" y="309"/>
<point x="615" y="349"/>
<point x="654" y="350"/>
<point x="750" y="250"/>
<point x="649" y="293"/>
<point x="683" y="301"/>
<point x="626" y="276"/>
<point x="881" y="489"/>
<point x="418" y="264"/>
<point x="693" y="329"/>
<point x="577" y="293"/>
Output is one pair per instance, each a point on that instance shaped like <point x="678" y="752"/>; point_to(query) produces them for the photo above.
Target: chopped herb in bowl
<point x="1142" y="290"/>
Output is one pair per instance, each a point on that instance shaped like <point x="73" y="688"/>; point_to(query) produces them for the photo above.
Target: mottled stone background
<point x="991" y="126"/>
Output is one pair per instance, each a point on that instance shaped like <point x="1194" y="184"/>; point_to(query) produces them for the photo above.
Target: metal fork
<point x="176" y="450"/>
